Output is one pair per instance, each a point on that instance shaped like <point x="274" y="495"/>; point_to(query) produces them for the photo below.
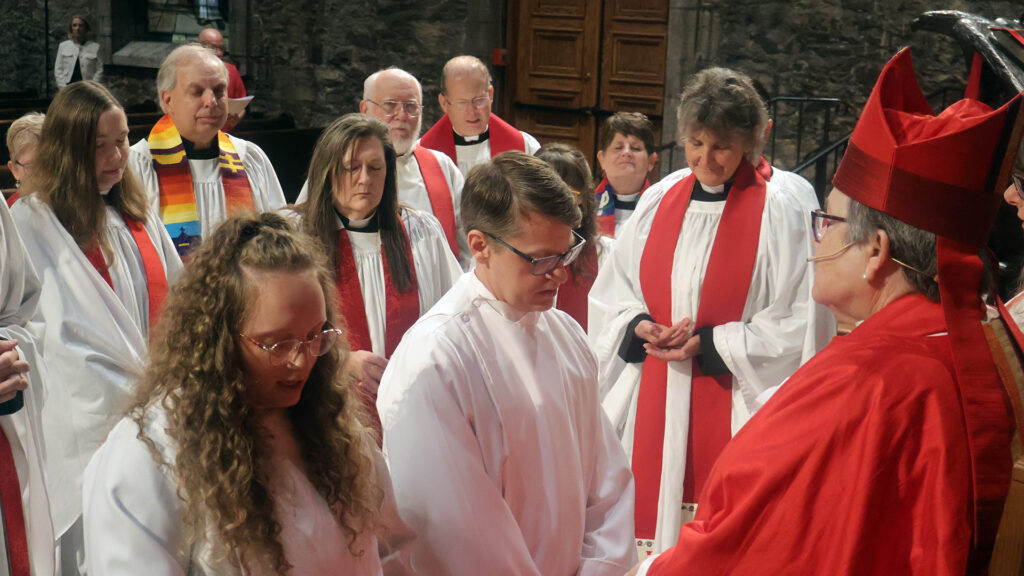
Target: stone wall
<point x="836" y="48"/>
<point x="309" y="59"/>
<point x="26" y="61"/>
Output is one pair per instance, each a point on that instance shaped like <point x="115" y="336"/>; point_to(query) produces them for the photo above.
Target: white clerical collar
<point x="461" y="140"/>
<point x="627" y="197"/>
<point x="355" y="225"/>
<point x="104" y="192"/>
<point x="482" y="295"/>
<point x="713" y="189"/>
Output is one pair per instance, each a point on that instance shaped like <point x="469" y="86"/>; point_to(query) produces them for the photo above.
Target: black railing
<point x="824" y="160"/>
<point x="829" y="107"/>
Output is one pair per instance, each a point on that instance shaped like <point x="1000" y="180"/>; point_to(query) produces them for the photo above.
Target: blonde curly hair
<point x="195" y="374"/>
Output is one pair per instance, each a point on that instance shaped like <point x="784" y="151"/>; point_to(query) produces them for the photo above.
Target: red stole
<point x="13" y="515"/>
<point x="503" y="136"/>
<point x="722" y="298"/>
<point x="156" y="277"/>
<point x="439" y="193"/>
<point x="572" y="294"/>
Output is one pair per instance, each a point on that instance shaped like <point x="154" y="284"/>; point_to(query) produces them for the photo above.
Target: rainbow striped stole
<point x="177" y="196"/>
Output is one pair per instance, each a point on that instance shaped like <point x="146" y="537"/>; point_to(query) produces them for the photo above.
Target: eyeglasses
<point x="478" y="103"/>
<point x="286" y="351"/>
<point x="1018" y="183"/>
<point x="22" y="164"/>
<point x="390" y="108"/>
<point x="547" y="264"/>
<point x="820" y="222"/>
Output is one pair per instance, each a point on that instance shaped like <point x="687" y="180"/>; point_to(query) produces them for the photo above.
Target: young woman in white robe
<point x="391" y="263"/>
<point x="105" y="263"/>
<point x="242" y="452"/>
<point x="21" y="394"/>
<point x="769" y="332"/>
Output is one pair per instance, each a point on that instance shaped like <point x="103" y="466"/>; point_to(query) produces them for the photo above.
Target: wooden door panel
<point x="557" y="126"/>
<point x="634" y="56"/>
<point x="557" y="55"/>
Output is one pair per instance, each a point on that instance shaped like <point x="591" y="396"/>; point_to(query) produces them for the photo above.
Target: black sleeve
<point x="631" y="349"/>
<point x="708" y="359"/>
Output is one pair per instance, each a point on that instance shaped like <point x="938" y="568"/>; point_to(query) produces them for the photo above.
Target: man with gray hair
<point x="195" y="174"/>
<point x="468" y="132"/>
<point x="492" y="395"/>
<point x="427" y="180"/>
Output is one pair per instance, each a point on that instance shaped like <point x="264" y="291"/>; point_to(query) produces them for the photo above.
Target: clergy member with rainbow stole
<point x="194" y="174"/>
<point x="469" y="133"/>
<point x="392" y="262"/>
<point x="890" y="451"/>
<point x="106" y="264"/>
<point x="703" y="304"/>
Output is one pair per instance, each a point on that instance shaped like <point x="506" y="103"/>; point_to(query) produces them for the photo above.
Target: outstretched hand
<point x="368" y="368"/>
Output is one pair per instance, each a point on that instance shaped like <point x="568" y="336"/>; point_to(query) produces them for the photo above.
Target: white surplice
<point x="477" y="153"/>
<point x="436" y="267"/>
<point x="19" y="297"/>
<point x="93" y="340"/>
<point x="210" y="203"/>
<point x="134" y="521"/>
<point x="779" y="328"/>
<point x="413" y="193"/>
<point x="501" y="457"/>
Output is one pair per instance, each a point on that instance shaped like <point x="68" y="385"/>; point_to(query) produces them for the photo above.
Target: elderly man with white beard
<point x="428" y="180"/>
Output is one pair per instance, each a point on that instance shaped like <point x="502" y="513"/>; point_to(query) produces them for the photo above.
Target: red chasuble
<point x="722" y="298"/>
<point x="439" y="193"/>
<point x="503" y="136"/>
<point x="11" y="512"/>
<point x="402" y="309"/>
<point x="860" y="464"/>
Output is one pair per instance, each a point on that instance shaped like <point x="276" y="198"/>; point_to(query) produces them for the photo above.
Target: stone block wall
<point x="836" y="48"/>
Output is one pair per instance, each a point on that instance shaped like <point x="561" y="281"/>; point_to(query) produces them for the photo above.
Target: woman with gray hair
<point x="22" y="139"/>
<point x="703" y="305"/>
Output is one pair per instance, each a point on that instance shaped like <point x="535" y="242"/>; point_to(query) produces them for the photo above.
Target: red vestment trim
<point x="13" y="515"/>
<point x="95" y="257"/>
<point x="402" y="309"/>
<point x="439" y="193"/>
<point x="503" y="136"/>
<point x="156" y="277"/>
<point x="722" y="298"/>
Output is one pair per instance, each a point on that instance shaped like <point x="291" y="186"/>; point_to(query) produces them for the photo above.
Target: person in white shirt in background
<point x="241" y="451"/>
<point x="502" y="459"/>
<point x="78" y="58"/>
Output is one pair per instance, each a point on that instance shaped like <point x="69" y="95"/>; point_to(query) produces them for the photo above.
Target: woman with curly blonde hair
<point x="242" y="451"/>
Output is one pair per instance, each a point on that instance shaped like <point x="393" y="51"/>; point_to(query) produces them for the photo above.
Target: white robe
<point x="134" y="521"/>
<point x="413" y="193"/>
<point x="436" y="268"/>
<point x="19" y="296"/>
<point x="210" y="203"/>
<point x="501" y="458"/>
<point x="93" y="340"/>
<point x="761" y="350"/>
<point x="478" y="153"/>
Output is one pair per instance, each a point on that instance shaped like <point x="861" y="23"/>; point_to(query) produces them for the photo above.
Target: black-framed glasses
<point x="286" y="351"/>
<point x="22" y="164"/>
<point x="820" y="222"/>
<point x="390" y="107"/>
<point x="1018" y="183"/>
<point x="547" y="264"/>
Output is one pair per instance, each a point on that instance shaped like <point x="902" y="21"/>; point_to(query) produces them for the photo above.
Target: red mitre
<point x="936" y="173"/>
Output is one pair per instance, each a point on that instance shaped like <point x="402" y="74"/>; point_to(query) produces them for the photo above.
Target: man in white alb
<point x="468" y="132"/>
<point x="501" y="456"/>
<point x="195" y="174"/>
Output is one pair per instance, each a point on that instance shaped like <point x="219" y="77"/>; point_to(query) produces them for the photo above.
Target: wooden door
<point x="574" y="62"/>
<point x="557" y="70"/>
